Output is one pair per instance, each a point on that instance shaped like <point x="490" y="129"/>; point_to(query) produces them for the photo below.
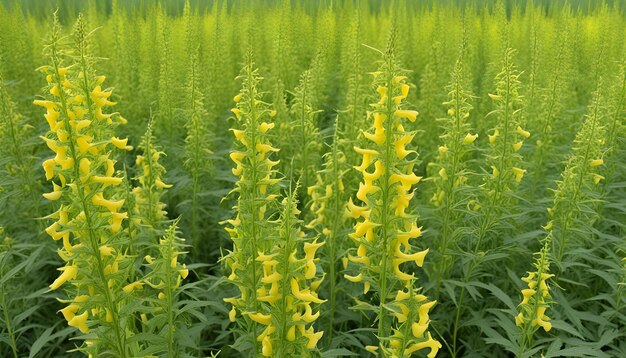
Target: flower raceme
<point x="89" y="216"/>
<point x="384" y="229"/>
<point x="277" y="286"/>
<point x="536" y="298"/>
<point x="535" y="295"/>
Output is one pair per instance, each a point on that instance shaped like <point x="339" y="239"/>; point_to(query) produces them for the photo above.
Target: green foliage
<point x="521" y="109"/>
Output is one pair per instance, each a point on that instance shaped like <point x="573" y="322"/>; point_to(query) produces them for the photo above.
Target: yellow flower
<point x="404" y="90"/>
<point x="519" y="174"/>
<point x="495" y="171"/>
<point x="368" y="157"/>
<point x="492" y="137"/>
<point x="313" y="337"/>
<point x="366" y="189"/>
<point x="264" y="319"/>
<point x="404" y="113"/>
<point x="310" y="248"/>
<point x="232" y="314"/>
<point x="111" y="205"/>
<point x="406" y="180"/>
<point x="597" y="178"/>
<point x="378" y="137"/>
<point x="517" y="146"/>
<point x="106" y="181"/>
<point x="121" y="143"/>
<point x="69" y="273"/>
<point x="542" y="319"/>
<point x="470" y="138"/>
<point x="597" y="162"/>
<point x="308" y="315"/>
<point x="116" y="221"/>
<point x="383" y="94"/>
<point x="304" y="295"/>
<point x="264" y="148"/>
<point x="356" y="211"/>
<point x="266" y="345"/>
<point x="429" y="343"/>
<point x="80" y="322"/>
<point x="55" y="194"/>
<point x="357" y="278"/>
<point x="48" y="167"/>
<point x="401" y="151"/>
<point x="237" y="98"/>
<point x="442" y="174"/>
<point x="522" y="132"/>
<point x="70" y="311"/>
<point x="527" y="294"/>
<point x="548" y="226"/>
<point x="417" y="257"/>
<point x="264" y="127"/>
<point x="106" y="250"/>
<point x="362" y="227"/>
<point x="161" y="185"/>
<point x="184" y="272"/>
<point x="132" y="286"/>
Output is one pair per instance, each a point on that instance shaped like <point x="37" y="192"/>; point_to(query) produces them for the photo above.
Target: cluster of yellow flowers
<point x="320" y="194"/>
<point x="536" y="297"/>
<point x="296" y="316"/>
<point x="278" y="289"/>
<point x="327" y="194"/>
<point x="507" y="137"/>
<point x="161" y="278"/>
<point x="83" y="178"/>
<point x="364" y="230"/>
<point x="384" y="229"/>
<point x="147" y="196"/>
<point x="255" y="171"/>
<point x="411" y="336"/>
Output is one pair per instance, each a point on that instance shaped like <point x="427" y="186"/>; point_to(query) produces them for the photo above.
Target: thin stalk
<point x="449" y="198"/>
<point x="303" y="132"/>
<point x="196" y="152"/>
<point x="286" y="252"/>
<point x="332" y="254"/>
<point x="590" y="138"/>
<point x="487" y="220"/>
<point x="8" y="324"/>
<point x="171" y="352"/>
<point x="382" y="329"/>
<point x="253" y="193"/>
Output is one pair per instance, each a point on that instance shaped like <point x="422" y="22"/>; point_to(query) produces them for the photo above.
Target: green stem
<point x="332" y="254"/>
<point x="7" y="322"/>
<point x="303" y="120"/>
<point x="253" y="200"/>
<point x="449" y="198"/>
<point x="282" y="352"/>
<point x="170" y="299"/>
<point x="568" y="217"/>
<point x="382" y="327"/>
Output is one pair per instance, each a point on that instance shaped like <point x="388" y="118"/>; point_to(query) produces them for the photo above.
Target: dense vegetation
<point x="298" y="178"/>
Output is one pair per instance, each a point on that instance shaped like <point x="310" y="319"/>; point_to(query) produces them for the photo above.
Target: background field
<point x="518" y="171"/>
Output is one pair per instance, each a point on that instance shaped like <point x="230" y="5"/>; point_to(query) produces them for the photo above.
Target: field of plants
<point x="296" y="178"/>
